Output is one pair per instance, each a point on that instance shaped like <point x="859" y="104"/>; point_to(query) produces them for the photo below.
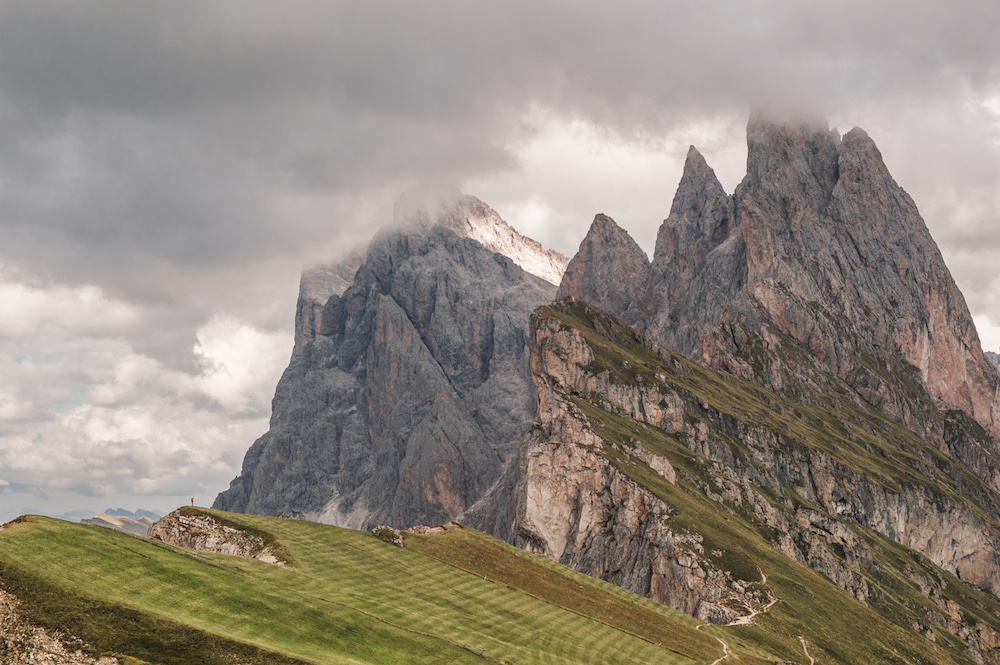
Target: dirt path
<point x="725" y="646"/>
<point x="806" y="649"/>
<point x="747" y="620"/>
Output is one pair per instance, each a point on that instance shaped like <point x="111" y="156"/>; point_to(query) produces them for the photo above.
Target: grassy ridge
<point x="120" y="630"/>
<point x="350" y="599"/>
<point x="836" y="626"/>
<point x="860" y="438"/>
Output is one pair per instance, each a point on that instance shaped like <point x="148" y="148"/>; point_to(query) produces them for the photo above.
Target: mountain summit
<point x="408" y="393"/>
<point x="818" y="243"/>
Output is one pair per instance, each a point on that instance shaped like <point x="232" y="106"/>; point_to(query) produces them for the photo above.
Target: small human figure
<point x="192" y="502"/>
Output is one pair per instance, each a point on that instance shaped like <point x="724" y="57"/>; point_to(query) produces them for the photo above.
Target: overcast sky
<point x="167" y="168"/>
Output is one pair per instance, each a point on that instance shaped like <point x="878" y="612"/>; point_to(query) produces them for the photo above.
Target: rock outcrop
<point x="610" y="270"/>
<point x="194" y="529"/>
<point x="412" y="397"/>
<point x="24" y="643"/>
<point x="470" y="218"/>
<point x="688" y="485"/>
<point x="819" y="243"/>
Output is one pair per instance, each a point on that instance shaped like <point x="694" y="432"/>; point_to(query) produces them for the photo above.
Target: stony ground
<point x="22" y="643"/>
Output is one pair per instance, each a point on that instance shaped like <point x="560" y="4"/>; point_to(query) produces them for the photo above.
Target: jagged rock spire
<point x="610" y="270"/>
<point x="820" y="244"/>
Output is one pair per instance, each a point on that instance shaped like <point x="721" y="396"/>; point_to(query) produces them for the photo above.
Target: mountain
<point x="466" y="216"/>
<point x="820" y="246"/>
<point x="694" y="487"/>
<point x="122" y="520"/>
<point x="408" y="394"/>
<point x="786" y="407"/>
<point x="137" y="515"/>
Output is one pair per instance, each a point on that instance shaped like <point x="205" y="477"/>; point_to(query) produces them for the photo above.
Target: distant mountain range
<point x="139" y="514"/>
<point x="136" y="523"/>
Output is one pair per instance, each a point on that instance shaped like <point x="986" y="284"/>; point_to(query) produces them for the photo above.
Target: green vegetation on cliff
<point x="913" y="611"/>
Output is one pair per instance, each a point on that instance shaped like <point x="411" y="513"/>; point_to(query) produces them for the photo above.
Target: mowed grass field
<point x="349" y="598"/>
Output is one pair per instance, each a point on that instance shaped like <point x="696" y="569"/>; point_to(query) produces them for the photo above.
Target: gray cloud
<point x="172" y="131"/>
<point x="186" y="158"/>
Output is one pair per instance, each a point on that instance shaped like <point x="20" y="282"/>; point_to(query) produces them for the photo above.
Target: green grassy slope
<point x="349" y="598"/>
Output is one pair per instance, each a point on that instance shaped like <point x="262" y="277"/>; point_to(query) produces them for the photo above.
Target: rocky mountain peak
<point x="410" y="395"/>
<point x="466" y="216"/>
<point x="610" y="270"/>
<point x="699" y="262"/>
<point x="696" y="207"/>
<point x="469" y="217"/>
<point x="860" y="165"/>
<point x="820" y="244"/>
<point x="798" y="156"/>
<point x="701" y="218"/>
<point x="694" y="163"/>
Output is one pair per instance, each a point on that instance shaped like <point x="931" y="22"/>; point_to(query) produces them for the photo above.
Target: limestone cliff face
<point x="575" y="507"/>
<point x="821" y="244"/>
<point x="641" y="463"/>
<point x="411" y="397"/>
<point x="316" y="286"/>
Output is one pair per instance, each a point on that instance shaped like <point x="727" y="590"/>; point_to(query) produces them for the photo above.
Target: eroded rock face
<point x="610" y="270"/>
<point x="578" y="509"/>
<point x="204" y="533"/>
<point x="576" y="505"/>
<point x="411" y="399"/>
<point x="820" y="243"/>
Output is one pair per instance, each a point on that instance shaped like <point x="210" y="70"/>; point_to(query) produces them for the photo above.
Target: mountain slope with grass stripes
<point x="348" y="598"/>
